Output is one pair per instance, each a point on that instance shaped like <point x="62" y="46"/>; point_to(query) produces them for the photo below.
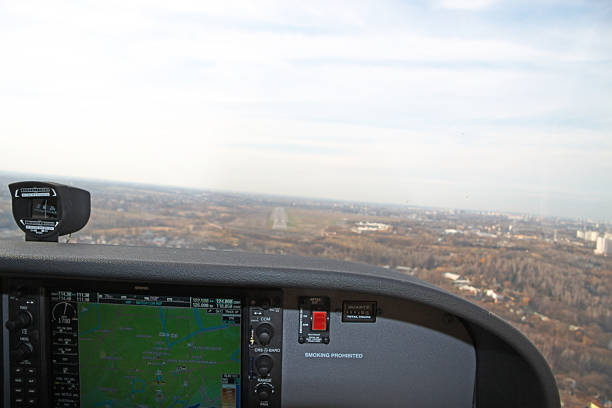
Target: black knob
<point x="23" y="351"/>
<point x="264" y="391"/>
<point x="264" y="365"/>
<point x="23" y="319"/>
<point x="264" y="333"/>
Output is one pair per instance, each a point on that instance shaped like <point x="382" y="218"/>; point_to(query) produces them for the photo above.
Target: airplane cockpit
<point x="112" y="326"/>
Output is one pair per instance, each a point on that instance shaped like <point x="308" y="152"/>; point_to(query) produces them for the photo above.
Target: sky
<point x="477" y="104"/>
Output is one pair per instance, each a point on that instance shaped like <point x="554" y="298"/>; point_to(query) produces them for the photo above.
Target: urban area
<point x="549" y="277"/>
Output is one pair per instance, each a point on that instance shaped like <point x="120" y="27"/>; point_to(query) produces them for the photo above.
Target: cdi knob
<point x="23" y="319"/>
<point x="264" y="333"/>
<point x="264" y="391"/>
<point x="264" y="365"/>
<point x="23" y="351"/>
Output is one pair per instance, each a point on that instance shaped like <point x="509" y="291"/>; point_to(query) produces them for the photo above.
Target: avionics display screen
<point x="44" y="208"/>
<point x="122" y="350"/>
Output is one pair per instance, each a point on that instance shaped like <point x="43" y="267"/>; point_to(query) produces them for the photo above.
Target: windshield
<point x="465" y="142"/>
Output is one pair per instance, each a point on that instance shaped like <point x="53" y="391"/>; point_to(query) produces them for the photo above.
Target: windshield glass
<point x="465" y="142"/>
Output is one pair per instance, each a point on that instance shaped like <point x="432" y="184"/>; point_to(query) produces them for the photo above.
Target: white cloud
<point x="464" y="4"/>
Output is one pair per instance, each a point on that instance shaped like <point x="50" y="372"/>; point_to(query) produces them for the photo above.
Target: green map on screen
<point x="152" y="356"/>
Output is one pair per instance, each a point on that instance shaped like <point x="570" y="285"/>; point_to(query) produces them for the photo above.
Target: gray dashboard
<point x="426" y="347"/>
<point x="413" y="355"/>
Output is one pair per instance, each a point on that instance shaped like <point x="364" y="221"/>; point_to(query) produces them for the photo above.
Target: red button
<point x="319" y="321"/>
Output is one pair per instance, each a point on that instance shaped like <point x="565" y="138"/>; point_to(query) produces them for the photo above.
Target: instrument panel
<point x="91" y="344"/>
<point x="156" y="328"/>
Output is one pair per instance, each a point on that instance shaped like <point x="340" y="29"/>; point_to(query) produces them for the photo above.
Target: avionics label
<point x="334" y="355"/>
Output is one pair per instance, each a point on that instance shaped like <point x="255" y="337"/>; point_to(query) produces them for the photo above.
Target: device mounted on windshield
<point x="45" y="211"/>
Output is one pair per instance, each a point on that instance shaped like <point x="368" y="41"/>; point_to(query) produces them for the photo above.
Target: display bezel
<point x="149" y="289"/>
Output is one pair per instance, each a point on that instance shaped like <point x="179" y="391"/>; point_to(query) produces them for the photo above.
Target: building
<point x="364" y="226"/>
<point x="604" y="245"/>
<point x="470" y="289"/>
<point x="451" y="276"/>
<point x="491" y="293"/>
<point x="587" y="235"/>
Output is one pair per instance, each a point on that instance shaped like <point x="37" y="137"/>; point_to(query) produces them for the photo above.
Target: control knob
<point x="23" y="319"/>
<point x="264" y="365"/>
<point x="264" y="391"/>
<point x="264" y="333"/>
<point x="23" y="351"/>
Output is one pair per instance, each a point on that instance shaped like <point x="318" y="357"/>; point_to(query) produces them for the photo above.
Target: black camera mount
<point x="46" y="211"/>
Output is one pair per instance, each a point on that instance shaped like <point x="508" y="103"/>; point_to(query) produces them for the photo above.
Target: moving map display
<point x="118" y="350"/>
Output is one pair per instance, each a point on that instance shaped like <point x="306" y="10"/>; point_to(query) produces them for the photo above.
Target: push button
<point x="319" y="320"/>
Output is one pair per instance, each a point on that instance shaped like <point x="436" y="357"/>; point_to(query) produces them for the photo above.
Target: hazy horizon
<point x="490" y="105"/>
<point x="76" y="182"/>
